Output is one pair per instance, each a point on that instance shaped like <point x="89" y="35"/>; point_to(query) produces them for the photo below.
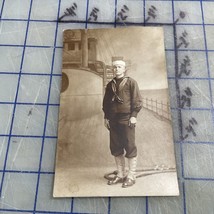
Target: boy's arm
<point x="136" y="99"/>
<point x="106" y="102"/>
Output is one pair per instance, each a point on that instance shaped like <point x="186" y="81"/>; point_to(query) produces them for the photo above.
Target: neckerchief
<point x="116" y="97"/>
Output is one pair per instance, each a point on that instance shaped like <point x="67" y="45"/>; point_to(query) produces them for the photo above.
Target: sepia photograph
<point x="115" y="129"/>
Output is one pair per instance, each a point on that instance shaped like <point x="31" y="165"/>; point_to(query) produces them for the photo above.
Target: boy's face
<point x="119" y="70"/>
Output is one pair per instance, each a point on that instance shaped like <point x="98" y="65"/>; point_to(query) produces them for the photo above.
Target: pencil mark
<point x="123" y="14"/>
<point x="70" y="11"/>
<point x="182" y="15"/>
<point x="30" y="112"/>
<point x="151" y="13"/>
<point x="93" y="15"/>
<point x="183" y="40"/>
<point x="189" y="128"/>
<point x="186" y="98"/>
<point x="184" y="68"/>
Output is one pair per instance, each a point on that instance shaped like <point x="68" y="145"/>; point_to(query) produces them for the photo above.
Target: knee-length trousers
<point x="122" y="138"/>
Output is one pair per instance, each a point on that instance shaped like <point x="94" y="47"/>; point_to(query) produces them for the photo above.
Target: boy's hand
<point x="132" y="122"/>
<point x="106" y="123"/>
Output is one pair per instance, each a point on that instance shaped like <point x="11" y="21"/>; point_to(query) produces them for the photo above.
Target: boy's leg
<point x="131" y="154"/>
<point x="117" y="150"/>
<point x="120" y="163"/>
<point x="130" y="179"/>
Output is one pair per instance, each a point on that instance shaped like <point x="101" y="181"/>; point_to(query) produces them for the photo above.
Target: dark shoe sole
<point x="128" y="183"/>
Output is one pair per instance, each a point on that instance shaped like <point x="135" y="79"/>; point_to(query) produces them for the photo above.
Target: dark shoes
<point x="128" y="183"/>
<point x="115" y="180"/>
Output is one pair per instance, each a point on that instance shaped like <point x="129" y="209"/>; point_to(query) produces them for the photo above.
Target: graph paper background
<point x="30" y="74"/>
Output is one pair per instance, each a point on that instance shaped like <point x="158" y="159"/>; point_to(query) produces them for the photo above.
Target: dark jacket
<point x="129" y="94"/>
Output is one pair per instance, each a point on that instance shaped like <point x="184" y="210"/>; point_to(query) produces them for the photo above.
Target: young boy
<point x="121" y="104"/>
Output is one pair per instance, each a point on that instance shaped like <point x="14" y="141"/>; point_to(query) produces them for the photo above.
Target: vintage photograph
<point x="115" y="130"/>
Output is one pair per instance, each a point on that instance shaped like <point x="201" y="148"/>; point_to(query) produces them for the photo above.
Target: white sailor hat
<point x="118" y="62"/>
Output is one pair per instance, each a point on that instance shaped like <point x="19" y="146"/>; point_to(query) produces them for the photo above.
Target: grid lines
<point x="180" y="122"/>
<point x="46" y="115"/>
<point x="178" y="109"/>
<point x="2" y="7"/>
<point x="207" y="61"/>
<point x="14" y="109"/>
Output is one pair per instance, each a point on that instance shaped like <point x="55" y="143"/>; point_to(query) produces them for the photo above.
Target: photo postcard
<point x="115" y="129"/>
